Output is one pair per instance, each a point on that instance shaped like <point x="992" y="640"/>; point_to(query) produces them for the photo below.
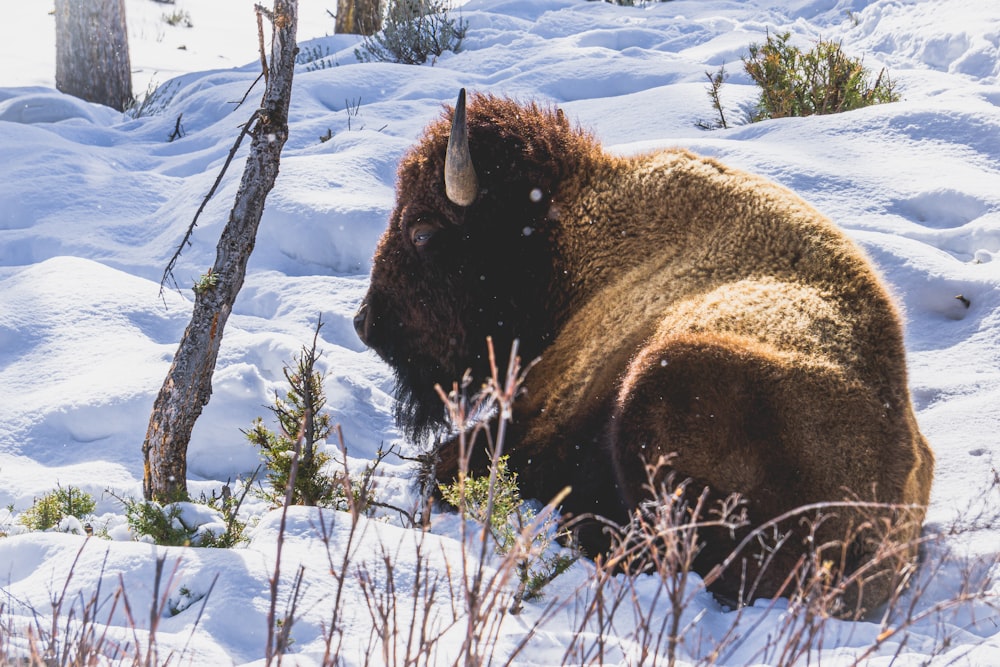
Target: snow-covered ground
<point x="93" y="203"/>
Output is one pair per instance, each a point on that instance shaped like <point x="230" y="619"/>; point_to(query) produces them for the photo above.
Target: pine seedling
<point x="303" y="428"/>
<point x="715" y="82"/>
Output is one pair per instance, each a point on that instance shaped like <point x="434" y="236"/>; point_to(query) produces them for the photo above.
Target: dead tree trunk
<point x="92" y="60"/>
<point x="188" y="385"/>
<point x="358" y="17"/>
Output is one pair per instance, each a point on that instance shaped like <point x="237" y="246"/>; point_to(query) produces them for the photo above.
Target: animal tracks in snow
<point x="942" y="209"/>
<point x="965" y="226"/>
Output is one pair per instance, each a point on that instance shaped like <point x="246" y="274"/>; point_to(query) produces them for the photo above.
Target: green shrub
<point x="472" y="499"/>
<point x="510" y="521"/>
<point x="413" y="31"/>
<point x="821" y="81"/>
<point x="160" y="523"/>
<point x="167" y="524"/>
<point x="228" y="505"/>
<point x="50" y="509"/>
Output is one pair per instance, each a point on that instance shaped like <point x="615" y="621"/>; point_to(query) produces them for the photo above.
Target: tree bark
<point x="92" y="60"/>
<point x="188" y="385"/>
<point x="358" y="17"/>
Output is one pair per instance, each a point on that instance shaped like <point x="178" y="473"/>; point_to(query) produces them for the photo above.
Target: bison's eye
<point x="421" y="233"/>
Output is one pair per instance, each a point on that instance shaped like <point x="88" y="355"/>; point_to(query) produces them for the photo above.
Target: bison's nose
<point x="361" y="322"/>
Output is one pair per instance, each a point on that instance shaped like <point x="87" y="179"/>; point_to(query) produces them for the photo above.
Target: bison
<point x="675" y="307"/>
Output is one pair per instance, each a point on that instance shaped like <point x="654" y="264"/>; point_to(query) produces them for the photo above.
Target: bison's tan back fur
<point x="679" y="307"/>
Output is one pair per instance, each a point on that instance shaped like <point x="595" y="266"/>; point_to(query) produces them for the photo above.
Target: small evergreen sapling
<point x="715" y="82"/>
<point x="303" y="428"/>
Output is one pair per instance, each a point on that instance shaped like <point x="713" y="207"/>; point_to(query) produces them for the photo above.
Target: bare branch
<point x="168" y="273"/>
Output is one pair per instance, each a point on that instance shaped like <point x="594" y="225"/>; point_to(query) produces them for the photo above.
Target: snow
<point x="94" y="202"/>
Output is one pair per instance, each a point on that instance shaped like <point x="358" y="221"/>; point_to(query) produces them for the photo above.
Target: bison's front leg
<point x="783" y="431"/>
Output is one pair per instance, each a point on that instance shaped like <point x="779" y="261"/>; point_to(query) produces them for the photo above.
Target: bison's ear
<point x="460" y="182"/>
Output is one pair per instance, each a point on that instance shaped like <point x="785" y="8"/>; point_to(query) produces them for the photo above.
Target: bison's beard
<point x="420" y="411"/>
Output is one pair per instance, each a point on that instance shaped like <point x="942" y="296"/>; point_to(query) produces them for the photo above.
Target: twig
<point x="168" y="273"/>
<point x="249" y="90"/>
<point x="270" y="649"/>
<point x="178" y="131"/>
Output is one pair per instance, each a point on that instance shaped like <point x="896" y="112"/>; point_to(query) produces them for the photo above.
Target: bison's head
<point x="471" y="248"/>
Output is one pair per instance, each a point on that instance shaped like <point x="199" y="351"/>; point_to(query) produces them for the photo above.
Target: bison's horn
<point x="460" y="183"/>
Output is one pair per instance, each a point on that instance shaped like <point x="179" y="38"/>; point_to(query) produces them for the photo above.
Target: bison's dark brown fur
<point x="677" y="306"/>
